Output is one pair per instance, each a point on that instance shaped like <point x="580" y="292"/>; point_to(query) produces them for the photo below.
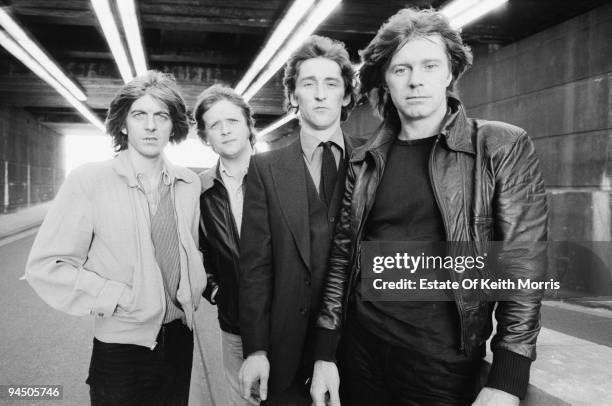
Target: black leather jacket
<point x="488" y="186"/>
<point x="219" y="243"/>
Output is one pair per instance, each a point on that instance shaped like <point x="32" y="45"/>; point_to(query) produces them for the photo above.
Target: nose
<point x="151" y="125"/>
<point x="415" y="78"/>
<point x="320" y="93"/>
<point x="225" y="128"/>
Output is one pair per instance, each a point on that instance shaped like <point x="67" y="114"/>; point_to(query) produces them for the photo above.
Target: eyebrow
<point x="143" y="111"/>
<point x="419" y="62"/>
<point x="325" y="79"/>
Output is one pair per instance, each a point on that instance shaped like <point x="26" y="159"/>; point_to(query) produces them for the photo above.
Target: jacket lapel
<point x="289" y="176"/>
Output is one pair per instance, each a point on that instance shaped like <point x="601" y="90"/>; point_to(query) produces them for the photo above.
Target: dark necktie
<point x="329" y="173"/>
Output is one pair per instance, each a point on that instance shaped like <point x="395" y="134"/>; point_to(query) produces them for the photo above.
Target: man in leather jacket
<point x="430" y="174"/>
<point x="224" y="122"/>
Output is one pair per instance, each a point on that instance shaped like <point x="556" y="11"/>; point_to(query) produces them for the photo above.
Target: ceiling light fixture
<point x="314" y="19"/>
<point x="29" y="46"/>
<point x="111" y="33"/>
<point x="462" y="12"/>
<point x="18" y="52"/>
<point x="278" y="123"/>
<point x="131" y="28"/>
<point x="283" y="30"/>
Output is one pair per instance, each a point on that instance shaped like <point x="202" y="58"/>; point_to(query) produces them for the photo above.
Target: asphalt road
<point x="42" y="346"/>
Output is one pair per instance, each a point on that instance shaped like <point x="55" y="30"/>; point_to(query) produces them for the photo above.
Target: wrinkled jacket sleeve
<point x="520" y="220"/>
<point x="256" y="274"/>
<point x="55" y="265"/>
<point x="211" y="271"/>
<point x="330" y="314"/>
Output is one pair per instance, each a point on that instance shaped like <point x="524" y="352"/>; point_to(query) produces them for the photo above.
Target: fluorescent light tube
<point x="466" y="15"/>
<point x="109" y="28"/>
<point x="457" y="7"/>
<point x="19" y="53"/>
<point x="23" y="39"/>
<point x="319" y="13"/>
<point x="283" y="30"/>
<point x="278" y="123"/>
<point x="127" y="11"/>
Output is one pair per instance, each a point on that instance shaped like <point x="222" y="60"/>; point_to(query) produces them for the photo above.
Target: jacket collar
<point x="456" y="132"/>
<point x="208" y="177"/>
<point x="122" y="166"/>
<point x="457" y="128"/>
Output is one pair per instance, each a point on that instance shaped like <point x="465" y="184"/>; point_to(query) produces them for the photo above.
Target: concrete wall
<point x="557" y="85"/>
<point x="31" y="160"/>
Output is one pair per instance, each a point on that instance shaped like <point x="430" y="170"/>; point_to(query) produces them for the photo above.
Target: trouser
<point x="231" y="345"/>
<point x="375" y="373"/>
<point x="127" y="374"/>
<point x="298" y="393"/>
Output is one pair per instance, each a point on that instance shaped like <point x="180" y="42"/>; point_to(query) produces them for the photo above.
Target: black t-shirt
<point x="405" y="209"/>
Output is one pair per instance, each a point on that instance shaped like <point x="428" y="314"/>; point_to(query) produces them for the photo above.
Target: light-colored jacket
<point x="94" y="247"/>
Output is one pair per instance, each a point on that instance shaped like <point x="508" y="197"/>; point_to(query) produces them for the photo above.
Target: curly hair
<point x="159" y="85"/>
<point x="214" y="94"/>
<point x="322" y="47"/>
<point x="406" y="25"/>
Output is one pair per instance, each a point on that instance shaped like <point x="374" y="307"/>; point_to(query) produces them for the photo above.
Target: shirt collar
<point x="123" y="168"/>
<point x="223" y="169"/>
<point x="310" y="142"/>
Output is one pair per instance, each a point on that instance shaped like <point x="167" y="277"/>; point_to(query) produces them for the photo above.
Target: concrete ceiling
<point x="214" y="41"/>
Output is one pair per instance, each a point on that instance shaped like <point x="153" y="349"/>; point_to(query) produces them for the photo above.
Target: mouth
<point x="149" y="139"/>
<point x="417" y="98"/>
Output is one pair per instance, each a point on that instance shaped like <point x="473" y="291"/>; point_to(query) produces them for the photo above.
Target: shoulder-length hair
<point x="405" y="25"/>
<point x="322" y="47"/>
<point x="159" y="85"/>
<point x="210" y="97"/>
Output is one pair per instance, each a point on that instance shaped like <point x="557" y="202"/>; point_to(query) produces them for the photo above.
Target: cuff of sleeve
<point x="326" y="343"/>
<point x="107" y="300"/>
<point x="210" y="292"/>
<point x="509" y="373"/>
<point x="248" y="350"/>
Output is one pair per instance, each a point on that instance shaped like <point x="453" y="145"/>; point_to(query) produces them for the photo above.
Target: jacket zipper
<point x="446" y="229"/>
<point x="357" y="248"/>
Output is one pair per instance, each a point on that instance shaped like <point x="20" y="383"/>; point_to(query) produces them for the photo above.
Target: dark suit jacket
<point x="274" y="300"/>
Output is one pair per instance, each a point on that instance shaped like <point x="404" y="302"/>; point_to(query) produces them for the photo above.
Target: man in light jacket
<point x="120" y="244"/>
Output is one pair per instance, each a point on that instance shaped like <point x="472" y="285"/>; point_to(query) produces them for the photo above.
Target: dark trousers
<point x="126" y="374"/>
<point x="375" y="373"/>
<point x="298" y="393"/>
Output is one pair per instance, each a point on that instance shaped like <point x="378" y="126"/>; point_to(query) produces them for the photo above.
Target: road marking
<point x="18" y="236"/>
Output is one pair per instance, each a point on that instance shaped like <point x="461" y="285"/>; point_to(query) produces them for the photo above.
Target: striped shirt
<point x="164" y="234"/>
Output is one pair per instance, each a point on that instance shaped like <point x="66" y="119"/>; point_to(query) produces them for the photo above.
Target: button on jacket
<point x="94" y="247"/>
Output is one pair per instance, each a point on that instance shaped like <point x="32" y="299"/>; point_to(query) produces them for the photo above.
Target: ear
<point x="449" y="79"/>
<point x="124" y="131"/>
<point x="293" y="101"/>
<point x="346" y="100"/>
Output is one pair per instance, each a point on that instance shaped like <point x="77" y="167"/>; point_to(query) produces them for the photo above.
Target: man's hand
<point x="325" y="379"/>
<point x="255" y="368"/>
<point x="495" y="397"/>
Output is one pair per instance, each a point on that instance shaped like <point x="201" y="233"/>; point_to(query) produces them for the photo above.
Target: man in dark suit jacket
<point x="291" y="203"/>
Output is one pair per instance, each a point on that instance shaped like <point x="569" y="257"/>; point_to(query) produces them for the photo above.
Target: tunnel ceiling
<point x="206" y="41"/>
